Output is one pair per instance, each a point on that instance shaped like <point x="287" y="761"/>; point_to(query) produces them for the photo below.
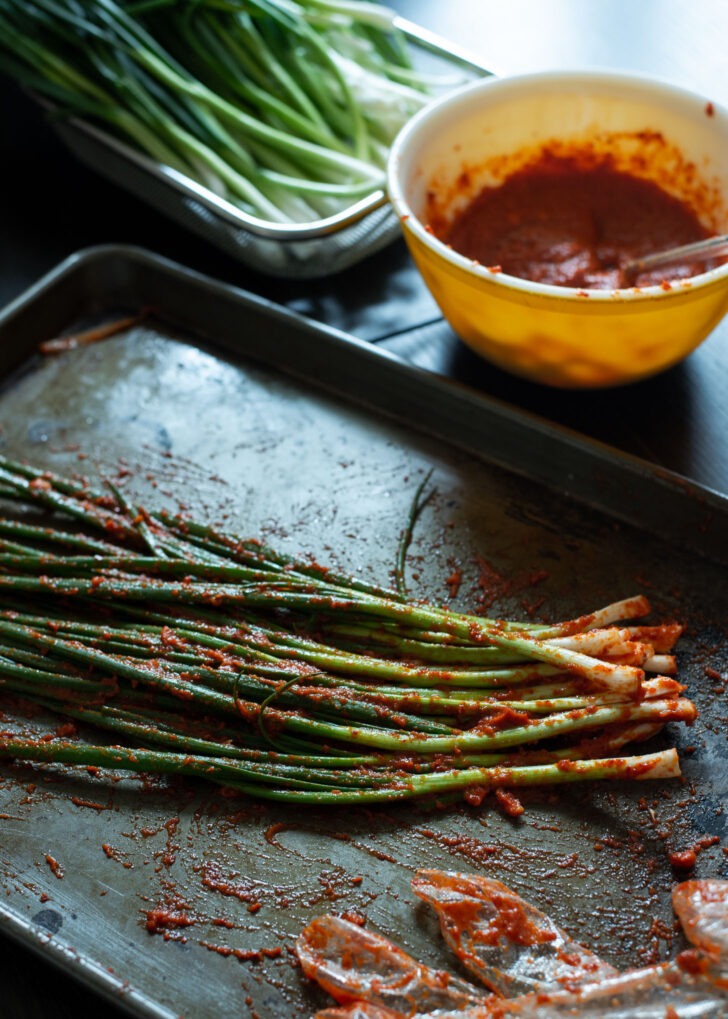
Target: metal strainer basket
<point x="295" y="251"/>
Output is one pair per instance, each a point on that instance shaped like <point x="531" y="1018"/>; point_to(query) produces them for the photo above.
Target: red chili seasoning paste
<point x="574" y="223"/>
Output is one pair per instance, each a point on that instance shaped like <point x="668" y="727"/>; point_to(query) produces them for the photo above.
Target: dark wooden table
<point x="50" y="206"/>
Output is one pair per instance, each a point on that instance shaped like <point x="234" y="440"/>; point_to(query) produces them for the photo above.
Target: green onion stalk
<point x="285" y="108"/>
<point x="204" y="654"/>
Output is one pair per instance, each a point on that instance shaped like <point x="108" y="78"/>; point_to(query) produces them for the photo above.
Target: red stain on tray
<point x="56" y="868"/>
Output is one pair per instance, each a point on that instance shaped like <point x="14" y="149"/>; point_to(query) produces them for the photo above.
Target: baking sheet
<point x="276" y="427"/>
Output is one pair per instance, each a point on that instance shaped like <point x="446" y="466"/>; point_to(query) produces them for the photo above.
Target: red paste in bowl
<point x="558" y="222"/>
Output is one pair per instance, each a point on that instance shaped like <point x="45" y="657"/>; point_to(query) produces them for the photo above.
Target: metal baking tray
<point x="278" y="427"/>
<point x="297" y="251"/>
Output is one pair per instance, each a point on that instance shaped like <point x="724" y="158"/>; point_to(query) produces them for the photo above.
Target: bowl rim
<point x="601" y="77"/>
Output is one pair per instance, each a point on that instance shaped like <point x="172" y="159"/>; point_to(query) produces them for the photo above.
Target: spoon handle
<point x="711" y="247"/>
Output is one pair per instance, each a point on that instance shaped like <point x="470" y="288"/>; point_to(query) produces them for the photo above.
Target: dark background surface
<point x="51" y="206"/>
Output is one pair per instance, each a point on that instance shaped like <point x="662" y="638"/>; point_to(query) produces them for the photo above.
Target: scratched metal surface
<point x="85" y="861"/>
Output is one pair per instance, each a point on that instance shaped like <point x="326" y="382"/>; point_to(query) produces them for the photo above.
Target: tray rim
<point x="135" y="258"/>
<point x="79" y="967"/>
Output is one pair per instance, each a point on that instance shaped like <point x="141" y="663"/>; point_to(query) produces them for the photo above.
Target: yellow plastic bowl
<point x="560" y="335"/>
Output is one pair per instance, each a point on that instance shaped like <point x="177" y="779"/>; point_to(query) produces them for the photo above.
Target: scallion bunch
<point x="208" y="655"/>
<point x="286" y="108"/>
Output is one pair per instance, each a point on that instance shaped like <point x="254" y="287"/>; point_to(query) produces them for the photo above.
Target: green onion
<point x="286" y="108"/>
<point x="216" y="657"/>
